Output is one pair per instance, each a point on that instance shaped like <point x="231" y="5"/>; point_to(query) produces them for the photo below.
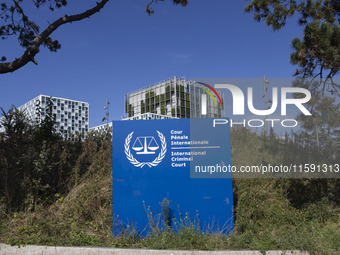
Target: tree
<point x="17" y="23"/>
<point x="318" y="53"/>
<point x="150" y="11"/>
<point x="322" y="129"/>
<point x="15" y="156"/>
<point x="35" y="162"/>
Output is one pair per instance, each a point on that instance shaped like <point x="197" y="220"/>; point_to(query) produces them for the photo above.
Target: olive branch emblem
<point x="135" y="162"/>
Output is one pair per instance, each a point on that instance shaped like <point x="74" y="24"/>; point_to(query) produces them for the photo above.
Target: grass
<point x="265" y="220"/>
<point x="269" y="214"/>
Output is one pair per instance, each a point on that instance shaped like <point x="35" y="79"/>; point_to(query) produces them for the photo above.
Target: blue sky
<point x="122" y="49"/>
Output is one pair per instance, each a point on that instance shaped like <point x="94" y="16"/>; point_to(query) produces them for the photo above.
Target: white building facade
<point x="145" y="116"/>
<point x="71" y="116"/>
<point x="101" y="128"/>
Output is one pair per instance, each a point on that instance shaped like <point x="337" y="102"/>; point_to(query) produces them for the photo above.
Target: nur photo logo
<point x="205" y="99"/>
<point x="243" y="104"/>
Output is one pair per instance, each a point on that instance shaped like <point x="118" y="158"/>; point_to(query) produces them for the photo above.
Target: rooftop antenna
<point x="107" y="113"/>
<point x="265" y="82"/>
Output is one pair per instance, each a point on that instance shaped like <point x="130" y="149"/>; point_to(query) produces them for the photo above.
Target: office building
<point x="144" y="116"/>
<point x="71" y="116"/>
<point x="101" y="128"/>
<point x="149" y="116"/>
<point x="174" y="97"/>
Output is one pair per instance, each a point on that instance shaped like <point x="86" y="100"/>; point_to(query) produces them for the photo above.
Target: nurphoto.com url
<point x="271" y="171"/>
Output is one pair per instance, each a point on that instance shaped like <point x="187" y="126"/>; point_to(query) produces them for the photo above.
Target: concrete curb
<point x="51" y="250"/>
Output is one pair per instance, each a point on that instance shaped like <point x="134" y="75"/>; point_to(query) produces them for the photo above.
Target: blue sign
<point x="183" y="161"/>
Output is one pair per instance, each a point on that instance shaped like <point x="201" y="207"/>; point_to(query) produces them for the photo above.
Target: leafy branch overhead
<point x="19" y="24"/>
<point x="317" y="54"/>
<point x="16" y="22"/>
<point x="151" y="11"/>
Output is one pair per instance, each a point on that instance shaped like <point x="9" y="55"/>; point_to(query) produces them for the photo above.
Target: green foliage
<point x="293" y="149"/>
<point x="323" y="127"/>
<point x="15" y="143"/>
<point x="269" y="213"/>
<point x="35" y="163"/>
<point x="150" y="11"/>
<point x="318" y="53"/>
<point x="16" y="22"/>
<point x="65" y="222"/>
<point x="267" y="219"/>
<point x="167" y="212"/>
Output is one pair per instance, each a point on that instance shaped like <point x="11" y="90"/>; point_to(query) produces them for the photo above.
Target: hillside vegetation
<point x="57" y="192"/>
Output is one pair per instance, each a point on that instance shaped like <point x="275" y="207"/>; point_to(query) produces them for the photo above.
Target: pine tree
<point x="318" y="53"/>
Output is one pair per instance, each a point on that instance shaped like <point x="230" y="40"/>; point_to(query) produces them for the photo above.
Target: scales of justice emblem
<point x="144" y="145"/>
<point x="148" y="143"/>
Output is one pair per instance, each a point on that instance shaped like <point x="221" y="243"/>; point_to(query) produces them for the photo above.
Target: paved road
<point x="51" y="250"/>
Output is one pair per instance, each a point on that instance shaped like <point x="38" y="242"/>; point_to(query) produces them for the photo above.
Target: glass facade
<point x="149" y="116"/>
<point x="71" y="116"/>
<point x="174" y="97"/>
<point x="101" y="128"/>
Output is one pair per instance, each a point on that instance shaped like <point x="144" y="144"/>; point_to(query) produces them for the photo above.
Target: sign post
<point x="180" y="160"/>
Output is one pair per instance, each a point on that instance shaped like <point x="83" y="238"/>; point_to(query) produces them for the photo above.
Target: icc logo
<point x="145" y="145"/>
<point x="149" y="143"/>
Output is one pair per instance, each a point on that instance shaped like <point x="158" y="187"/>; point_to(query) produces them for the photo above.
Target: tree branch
<point x="38" y="40"/>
